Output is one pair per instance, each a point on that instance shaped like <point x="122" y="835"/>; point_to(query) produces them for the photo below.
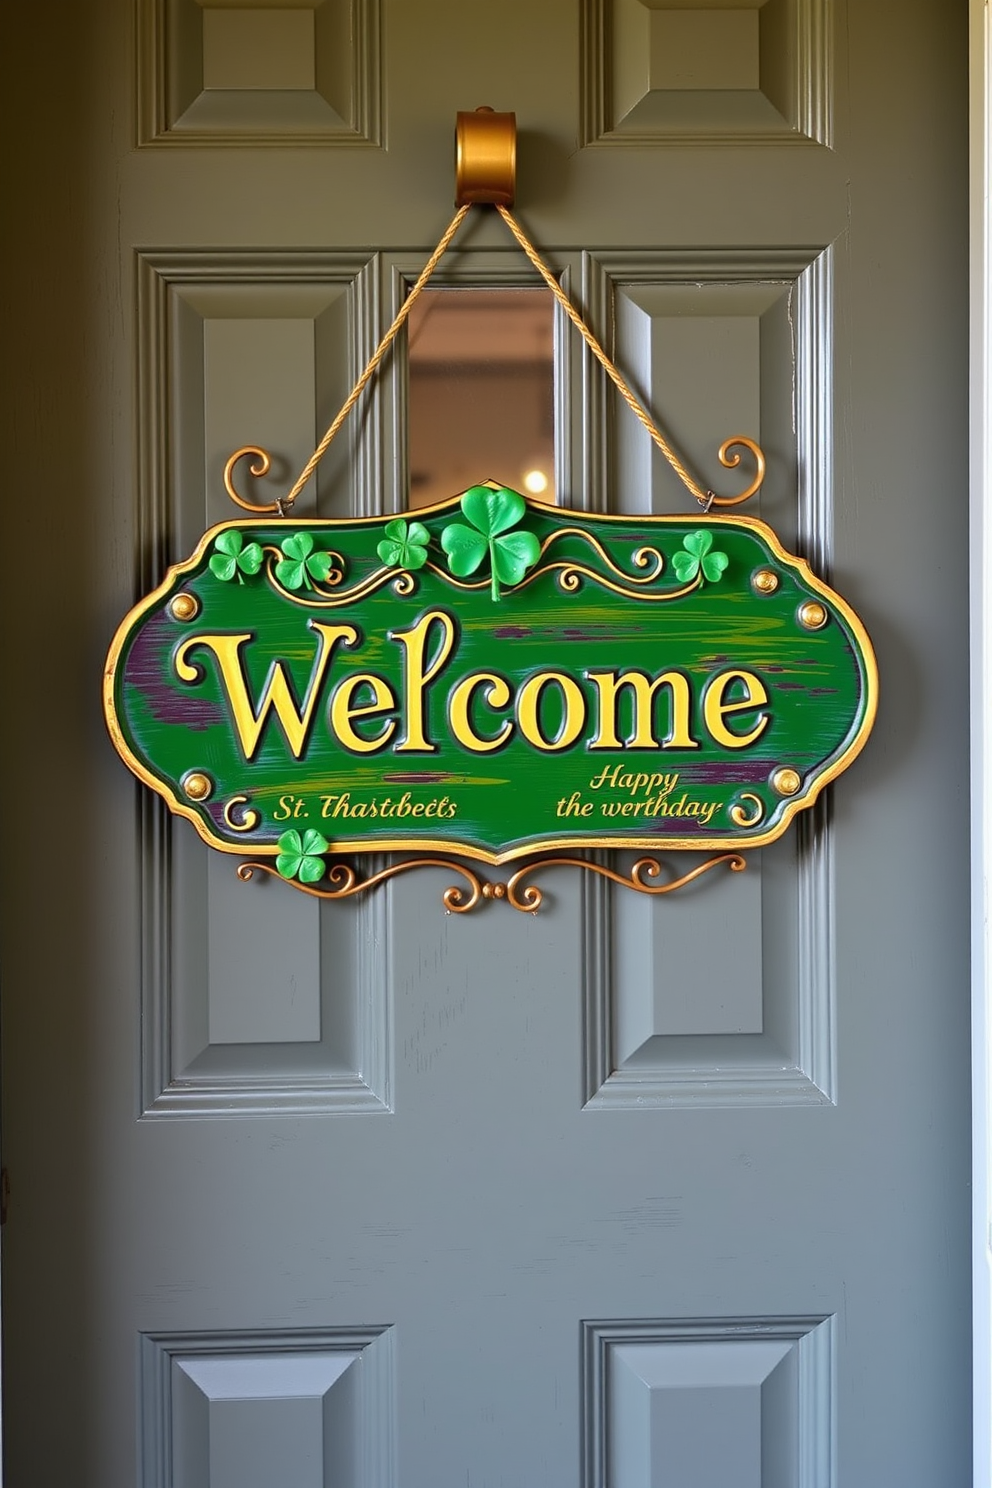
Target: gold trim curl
<point x="739" y="814"/>
<point x="259" y="467"/>
<point x="249" y="818"/>
<point x="730" y="462"/>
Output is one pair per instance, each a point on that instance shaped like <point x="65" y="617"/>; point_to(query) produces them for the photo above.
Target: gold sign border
<point x="741" y="842"/>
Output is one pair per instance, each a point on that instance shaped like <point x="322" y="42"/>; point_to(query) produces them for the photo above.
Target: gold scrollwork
<point x="525" y="897"/>
<point x="570" y="575"/>
<point x="248" y="819"/>
<point x="571" y="572"/>
<point x="404" y="583"/>
<point x="644" y="557"/>
<point x="528" y="897"/>
<point x="741" y="816"/>
<point x="346" y="881"/>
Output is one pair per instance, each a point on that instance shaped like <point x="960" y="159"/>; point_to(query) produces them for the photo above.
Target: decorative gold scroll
<point x="527" y="898"/>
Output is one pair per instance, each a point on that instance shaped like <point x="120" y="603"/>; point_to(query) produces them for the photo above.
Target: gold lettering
<point x="498" y="695"/>
<point x="609" y="685"/>
<point x="343" y="710"/>
<point x="416" y="677"/>
<point x="277" y="695"/>
<point x="528" y="710"/>
<point x="715" y="707"/>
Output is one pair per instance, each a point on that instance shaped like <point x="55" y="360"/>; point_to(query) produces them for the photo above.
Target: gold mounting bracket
<point x="485" y="158"/>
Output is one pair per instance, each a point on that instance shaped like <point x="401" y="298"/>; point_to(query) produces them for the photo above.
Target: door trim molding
<point x="981" y="723"/>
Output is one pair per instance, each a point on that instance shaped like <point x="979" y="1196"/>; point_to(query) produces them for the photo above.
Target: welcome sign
<point x="495" y="678"/>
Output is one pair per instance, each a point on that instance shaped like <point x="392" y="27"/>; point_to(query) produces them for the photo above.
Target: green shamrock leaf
<point x="230" y="558"/>
<point x="405" y="544"/>
<point x="301" y="563"/>
<point x="698" y="556"/>
<point x="491" y="513"/>
<point x="300" y="857"/>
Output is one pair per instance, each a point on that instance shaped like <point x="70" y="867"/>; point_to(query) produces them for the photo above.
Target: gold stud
<point x="185" y="606"/>
<point x="198" y="786"/>
<point x="765" y="581"/>
<point x="786" y="781"/>
<point x="813" y="615"/>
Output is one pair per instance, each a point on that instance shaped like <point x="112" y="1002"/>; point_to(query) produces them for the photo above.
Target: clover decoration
<point x="300" y="857"/>
<point x="491" y="513"/>
<point x="231" y="558"/>
<point x="405" y="544"/>
<point x="301" y="564"/>
<point x="699" y="555"/>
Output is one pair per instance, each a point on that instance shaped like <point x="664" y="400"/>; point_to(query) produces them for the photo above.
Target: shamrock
<point x="301" y="563"/>
<point x="300" y="857"/>
<point x="405" y="544"/>
<point x="698" y="556"/>
<point x="230" y="558"/>
<point x="491" y="512"/>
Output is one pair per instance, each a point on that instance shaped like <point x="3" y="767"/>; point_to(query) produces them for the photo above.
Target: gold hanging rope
<point x="286" y="503"/>
<point x="705" y="498"/>
<point x="485" y="174"/>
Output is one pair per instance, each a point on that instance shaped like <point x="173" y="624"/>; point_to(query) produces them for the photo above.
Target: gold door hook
<point x="485" y="158"/>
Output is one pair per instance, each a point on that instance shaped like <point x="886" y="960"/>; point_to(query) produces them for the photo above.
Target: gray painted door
<point x="630" y="1193"/>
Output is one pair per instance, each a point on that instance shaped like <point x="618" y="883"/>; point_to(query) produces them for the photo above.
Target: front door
<point x="629" y="1192"/>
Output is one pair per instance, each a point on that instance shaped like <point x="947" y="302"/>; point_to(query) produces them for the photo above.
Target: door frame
<point x="980" y="130"/>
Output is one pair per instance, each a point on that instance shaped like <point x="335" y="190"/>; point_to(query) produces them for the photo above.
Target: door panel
<point x="704" y="1406"/>
<point x="234" y="350"/>
<point x="656" y="1192"/>
<point x="743" y="70"/>
<point x="307" y="1408"/>
<point x="247" y="75"/>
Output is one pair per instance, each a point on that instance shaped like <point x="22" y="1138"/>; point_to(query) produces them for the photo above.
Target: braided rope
<point x="629" y="397"/>
<point x="704" y="497"/>
<point x="377" y="355"/>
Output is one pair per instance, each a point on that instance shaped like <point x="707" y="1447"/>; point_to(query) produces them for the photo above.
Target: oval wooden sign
<point x="490" y="676"/>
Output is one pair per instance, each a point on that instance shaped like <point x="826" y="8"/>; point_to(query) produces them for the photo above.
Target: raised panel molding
<point x="173" y="287"/>
<point x="787" y="1056"/>
<point x="205" y="1049"/>
<point x="307" y="73"/>
<point x="708" y="1403"/>
<point x="186" y="1074"/>
<point x="752" y="71"/>
<point x="310" y="1407"/>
